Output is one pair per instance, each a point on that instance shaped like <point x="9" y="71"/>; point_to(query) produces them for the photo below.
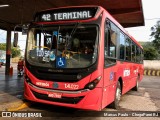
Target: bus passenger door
<point x="110" y="45"/>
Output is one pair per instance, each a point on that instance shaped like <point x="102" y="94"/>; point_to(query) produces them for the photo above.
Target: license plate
<point x="54" y="95"/>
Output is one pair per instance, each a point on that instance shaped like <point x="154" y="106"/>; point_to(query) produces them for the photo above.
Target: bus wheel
<point x="117" y="98"/>
<point x="137" y="85"/>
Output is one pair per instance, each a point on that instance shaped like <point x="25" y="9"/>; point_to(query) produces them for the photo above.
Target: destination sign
<point x="66" y="14"/>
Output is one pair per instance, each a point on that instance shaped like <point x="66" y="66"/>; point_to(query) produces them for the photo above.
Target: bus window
<point x="133" y="52"/>
<point x="138" y="54"/>
<point x="128" y="49"/>
<point x="122" y="46"/>
<point x="110" y="43"/>
<point x="142" y="56"/>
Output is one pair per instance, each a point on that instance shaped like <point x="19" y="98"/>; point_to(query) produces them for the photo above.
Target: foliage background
<point x="15" y="51"/>
<point x="152" y="49"/>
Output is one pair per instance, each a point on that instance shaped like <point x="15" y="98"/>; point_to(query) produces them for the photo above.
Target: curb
<point x="152" y="72"/>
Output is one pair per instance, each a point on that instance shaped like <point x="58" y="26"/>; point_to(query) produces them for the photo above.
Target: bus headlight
<point x="93" y="84"/>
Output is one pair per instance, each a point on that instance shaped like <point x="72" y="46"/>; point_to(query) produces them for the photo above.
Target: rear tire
<point x="115" y="103"/>
<point x="137" y="85"/>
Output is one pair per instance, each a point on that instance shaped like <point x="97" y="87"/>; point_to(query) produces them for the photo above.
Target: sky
<point x="151" y="10"/>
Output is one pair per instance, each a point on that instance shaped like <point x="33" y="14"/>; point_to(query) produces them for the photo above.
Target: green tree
<point x="150" y="52"/>
<point x="15" y="51"/>
<point x="155" y="33"/>
<point x="3" y="46"/>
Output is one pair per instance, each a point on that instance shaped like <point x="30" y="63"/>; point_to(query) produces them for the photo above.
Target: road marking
<point x="24" y="105"/>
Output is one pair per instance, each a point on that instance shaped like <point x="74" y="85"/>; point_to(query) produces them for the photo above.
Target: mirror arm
<point x="15" y="40"/>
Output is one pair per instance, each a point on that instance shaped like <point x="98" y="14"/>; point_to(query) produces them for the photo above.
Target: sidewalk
<point x="11" y="89"/>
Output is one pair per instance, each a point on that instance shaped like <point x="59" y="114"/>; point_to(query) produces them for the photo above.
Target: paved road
<point x="151" y="86"/>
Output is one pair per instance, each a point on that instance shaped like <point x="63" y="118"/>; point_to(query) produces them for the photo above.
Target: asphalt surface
<point x="11" y="89"/>
<point x="11" y="99"/>
<point x="151" y="85"/>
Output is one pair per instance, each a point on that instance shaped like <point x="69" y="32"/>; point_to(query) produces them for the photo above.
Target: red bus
<point x="80" y="57"/>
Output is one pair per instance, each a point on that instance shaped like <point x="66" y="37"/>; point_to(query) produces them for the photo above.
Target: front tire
<point x="117" y="98"/>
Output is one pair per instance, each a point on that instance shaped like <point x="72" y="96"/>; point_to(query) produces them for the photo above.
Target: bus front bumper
<point x="82" y="99"/>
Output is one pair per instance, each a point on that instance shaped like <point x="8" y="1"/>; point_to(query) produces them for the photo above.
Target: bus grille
<point x="69" y="100"/>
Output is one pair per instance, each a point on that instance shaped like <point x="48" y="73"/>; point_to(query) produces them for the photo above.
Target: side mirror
<point x="24" y="32"/>
<point x="15" y="41"/>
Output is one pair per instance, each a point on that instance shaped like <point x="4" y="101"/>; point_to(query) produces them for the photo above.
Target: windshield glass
<point x="67" y="46"/>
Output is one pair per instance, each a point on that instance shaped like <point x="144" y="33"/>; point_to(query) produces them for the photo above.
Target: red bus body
<point x="74" y="94"/>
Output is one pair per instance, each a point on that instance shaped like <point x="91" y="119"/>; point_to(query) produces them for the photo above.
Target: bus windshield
<point x="64" y="46"/>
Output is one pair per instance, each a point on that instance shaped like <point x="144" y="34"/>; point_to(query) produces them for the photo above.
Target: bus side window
<point x="133" y="52"/>
<point x="122" y="46"/>
<point x="110" y="43"/>
<point x="128" y="49"/>
<point x="138" y="54"/>
<point x="142" y="56"/>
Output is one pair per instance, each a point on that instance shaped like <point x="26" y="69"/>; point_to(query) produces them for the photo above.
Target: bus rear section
<point x="73" y="59"/>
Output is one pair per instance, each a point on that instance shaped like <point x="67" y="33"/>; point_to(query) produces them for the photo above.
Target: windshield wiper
<point x="69" y="37"/>
<point x="74" y="30"/>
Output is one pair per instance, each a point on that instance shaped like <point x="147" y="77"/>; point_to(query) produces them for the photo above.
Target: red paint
<point x="104" y="92"/>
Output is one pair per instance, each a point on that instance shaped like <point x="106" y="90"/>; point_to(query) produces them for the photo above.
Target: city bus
<point x="80" y="57"/>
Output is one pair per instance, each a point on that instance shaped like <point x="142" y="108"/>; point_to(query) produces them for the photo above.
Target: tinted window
<point x="122" y="46"/>
<point x="138" y="54"/>
<point x="128" y="49"/>
<point x="111" y="36"/>
<point x="142" y="55"/>
<point x="133" y="52"/>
